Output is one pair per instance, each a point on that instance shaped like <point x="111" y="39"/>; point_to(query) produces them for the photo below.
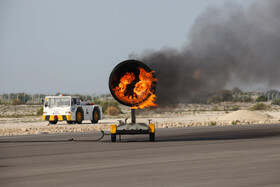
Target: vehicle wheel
<point x="113" y="137"/>
<point x="53" y="122"/>
<point x="152" y="137"/>
<point x="70" y="122"/>
<point x="79" y="117"/>
<point x="95" y="116"/>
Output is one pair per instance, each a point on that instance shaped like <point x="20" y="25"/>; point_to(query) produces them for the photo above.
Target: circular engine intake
<point x="133" y="83"/>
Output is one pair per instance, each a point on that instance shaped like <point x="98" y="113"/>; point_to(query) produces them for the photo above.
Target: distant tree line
<point x="234" y="95"/>
<point x="237" y="95"/>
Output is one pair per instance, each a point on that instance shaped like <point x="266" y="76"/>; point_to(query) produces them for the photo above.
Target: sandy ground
<point x="20" y="120"/>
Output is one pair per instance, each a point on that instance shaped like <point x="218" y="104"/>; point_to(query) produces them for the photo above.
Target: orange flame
<point x="140" y="93"/>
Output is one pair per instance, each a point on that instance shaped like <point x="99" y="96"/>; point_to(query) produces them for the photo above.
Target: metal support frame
<point x="133" y="116"/>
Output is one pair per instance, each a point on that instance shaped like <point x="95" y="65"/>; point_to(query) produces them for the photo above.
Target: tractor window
<point x="58" y="102"/>
<point x="74" y="101"/>
<point x="78" y="102"/>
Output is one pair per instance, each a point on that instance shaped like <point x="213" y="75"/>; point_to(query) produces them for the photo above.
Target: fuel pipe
<point x="102" y="136"/>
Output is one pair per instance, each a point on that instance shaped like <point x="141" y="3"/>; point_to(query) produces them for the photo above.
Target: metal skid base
<point x="132" y="129"/>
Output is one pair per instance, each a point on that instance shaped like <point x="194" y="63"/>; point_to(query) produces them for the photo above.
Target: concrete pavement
<point x="195" y="156"/>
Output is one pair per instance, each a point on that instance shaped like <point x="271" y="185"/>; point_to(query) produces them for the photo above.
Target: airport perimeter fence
<point x="22" y="98"/>
<point x="38" y="99"/>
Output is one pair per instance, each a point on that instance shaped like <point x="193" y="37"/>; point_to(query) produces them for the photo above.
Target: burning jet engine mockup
<point x="133" y="83"/>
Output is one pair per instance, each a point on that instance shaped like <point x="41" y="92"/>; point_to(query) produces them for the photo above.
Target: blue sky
<point x="71" y="46"/>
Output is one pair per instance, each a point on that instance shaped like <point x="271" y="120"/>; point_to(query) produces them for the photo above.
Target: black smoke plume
<point x="227" y="47"/>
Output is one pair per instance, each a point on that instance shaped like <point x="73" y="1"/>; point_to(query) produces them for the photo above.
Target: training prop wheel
<point x="113" y="137"/>
<point x="152" y="137"/>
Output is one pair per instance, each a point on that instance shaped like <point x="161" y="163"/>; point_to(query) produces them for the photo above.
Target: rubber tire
<point x="70" y="122"/>
<point x="93" y="112"/>
<point x="152" y="137"/>
<point x="53" y="122"/>
<point x="79" y="122"/>
<point x="113" y="137"/>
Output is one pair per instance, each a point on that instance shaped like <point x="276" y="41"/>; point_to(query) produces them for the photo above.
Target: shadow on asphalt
<point x="205" y="136"/>
<point x="194" y="136"/>
<point x="218" y="136"/>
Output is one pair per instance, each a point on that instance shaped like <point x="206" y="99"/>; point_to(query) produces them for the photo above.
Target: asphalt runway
<point x="194" y="156"/>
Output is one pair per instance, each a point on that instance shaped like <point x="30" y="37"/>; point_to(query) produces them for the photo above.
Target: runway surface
<point x="194" y="156"/>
